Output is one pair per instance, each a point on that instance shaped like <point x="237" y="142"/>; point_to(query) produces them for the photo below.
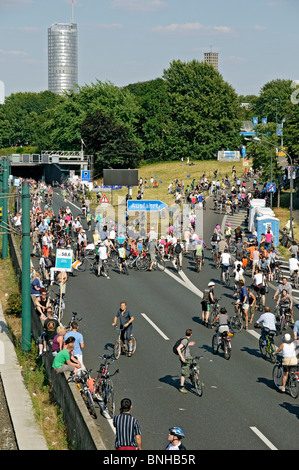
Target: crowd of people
<point x="66" y="231"/>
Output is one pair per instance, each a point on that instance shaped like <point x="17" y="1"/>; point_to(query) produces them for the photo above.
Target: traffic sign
<point x="271" y="187"/>
<point x="104" y="200"/>
<point x="149" y="206"/>
<point x="85" y="175"/>
<point x="63" y="260"/>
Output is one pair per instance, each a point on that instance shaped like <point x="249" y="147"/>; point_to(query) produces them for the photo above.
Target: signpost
<point x="144" y="205"/>
<point x="104" y="201"/>
<point x="271" y="187"/>
<point x="63" y="260"/>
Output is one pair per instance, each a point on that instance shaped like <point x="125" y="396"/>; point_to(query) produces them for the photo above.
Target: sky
<point x="129" y="41"/>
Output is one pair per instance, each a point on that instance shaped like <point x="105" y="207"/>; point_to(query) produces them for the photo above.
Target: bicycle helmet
<point x="178" y="432"/>
<point x="211" y="284"/>
<point x="228" y="224"/>
<point x="217" y="227"/>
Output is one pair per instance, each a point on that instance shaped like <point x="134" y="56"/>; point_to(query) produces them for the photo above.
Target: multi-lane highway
<point x="240" y="408"/>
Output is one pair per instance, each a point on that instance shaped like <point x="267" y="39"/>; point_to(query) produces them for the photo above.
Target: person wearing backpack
<point x="186" y="358"/>
<point x="178" y="251"/>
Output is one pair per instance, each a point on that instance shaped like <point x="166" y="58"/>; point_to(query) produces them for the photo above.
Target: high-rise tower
<point x="212" y="59"/>
<point x="62" y="57"/>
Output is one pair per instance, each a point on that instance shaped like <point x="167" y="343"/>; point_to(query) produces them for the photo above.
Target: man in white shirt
<point x="225" y="263"/>
<point x="268" y="320"/>
<point x="259" y="284"/>
<point x="103" y="256"/>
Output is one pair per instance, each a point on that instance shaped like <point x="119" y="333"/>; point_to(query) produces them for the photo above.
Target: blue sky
<point x="127" y="41"/>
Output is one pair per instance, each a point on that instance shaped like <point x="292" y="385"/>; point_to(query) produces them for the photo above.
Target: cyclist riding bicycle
<point x="289" y="358"/>
<point x="268" y="321"/>
<point x="126" y="319"/>
<point x="225" y="263"/>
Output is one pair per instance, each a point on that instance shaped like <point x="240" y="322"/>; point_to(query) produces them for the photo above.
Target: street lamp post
<point x="257" y="139"/>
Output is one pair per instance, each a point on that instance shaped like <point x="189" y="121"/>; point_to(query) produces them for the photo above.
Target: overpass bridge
<point x="49" y="164"/>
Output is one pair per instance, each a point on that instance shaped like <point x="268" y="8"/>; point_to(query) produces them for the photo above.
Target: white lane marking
<point x="154" y="326"/>
<point x="186" y="282"/>
<point x="263" y="438"/>
<point x="254" y="333"/>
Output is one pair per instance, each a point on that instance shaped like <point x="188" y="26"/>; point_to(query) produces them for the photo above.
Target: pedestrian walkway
<point x="27" y="432"/>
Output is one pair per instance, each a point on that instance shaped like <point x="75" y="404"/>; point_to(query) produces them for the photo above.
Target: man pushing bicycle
<point x="126" y="319"/>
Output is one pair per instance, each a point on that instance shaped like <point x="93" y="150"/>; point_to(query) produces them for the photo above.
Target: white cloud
<point x="102" y="26"/>
<point x="191" y="28"/>
<point x="12" y="53"/>
<point x="138" y="5"/>
<point x="259" y="27"/>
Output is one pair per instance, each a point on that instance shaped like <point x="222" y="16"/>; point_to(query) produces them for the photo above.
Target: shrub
<point x="14" y="304"/>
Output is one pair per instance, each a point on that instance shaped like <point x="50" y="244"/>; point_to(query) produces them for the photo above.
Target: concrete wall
<point x="81" y="428"/>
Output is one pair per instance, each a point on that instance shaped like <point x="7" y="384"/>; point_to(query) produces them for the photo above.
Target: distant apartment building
<point x="212" y="59"/>
<point x="62" y="57"/>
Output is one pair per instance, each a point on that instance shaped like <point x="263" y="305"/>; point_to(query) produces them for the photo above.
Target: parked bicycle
<point x="122" y="347"/>
<point x="292" y="384"/>
<point x="222" y="341"/>
<point x="103" y="390"/>
<point x="72" y="320"/>
<point x="58" y="304"/>
<point x="83" y="383"/>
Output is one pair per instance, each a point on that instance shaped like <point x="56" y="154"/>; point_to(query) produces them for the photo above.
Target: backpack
<point x="176" y="345"/>
<point x="177" y="248"/>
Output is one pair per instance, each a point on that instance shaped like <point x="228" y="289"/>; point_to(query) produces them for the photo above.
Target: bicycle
<point x="294" y="279"/>
<point x="237" y="321"/>
<point x="85" y="261"/>
<point x="72" y="320"/>
<point x="283" y="317"/>
<point x="103" y="267"/>
<point x="277" y="273"/>
<point x="56" y="303"/>
<point x="292" y="384"/>
<point x="159" y="263"/>
<point x="176" y="261"/>
<point x="103" y="390"/>
<point x="226" y="275"/>
<point x="194" y="378"/>
<point x="215" y="310"/>
<point x="259" y="301"/>
<point x="267" y="346"/>
<point x="121" y="347"/>
<point x="224" y="344"/>
<point x="82" y="383"/>
<point x="216" y="258"/>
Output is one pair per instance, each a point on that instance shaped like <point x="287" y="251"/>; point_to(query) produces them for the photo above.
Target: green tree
<point x="204" y="111"/>
<point x="110" y="142"/>
<point x="263" y="154"/>
<point x="275" y="96"/>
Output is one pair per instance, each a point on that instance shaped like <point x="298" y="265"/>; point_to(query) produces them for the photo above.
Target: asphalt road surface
<point x="240" y="408"/>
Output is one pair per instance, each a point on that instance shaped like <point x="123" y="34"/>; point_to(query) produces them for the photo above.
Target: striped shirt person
<point x="128" y="433"/>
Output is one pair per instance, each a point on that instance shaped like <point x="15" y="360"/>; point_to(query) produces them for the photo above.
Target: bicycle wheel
<point x="293" y="385"/>
<point x="271" y="351"/>
<point x="117" y="349"/>
<point x="142" y="264"/>
<point x="98" y="391"/>
<point x="215" y="344"/>
<point x="198" y="386"/>
<point x="226" y="350"/>
<point x="263" y="347"/>
<point x="82" y="267"/>
<point x="109" y="398"/>
<point x="236" y="323"/>
<point x="227" y="279"/>
<point x="134" y="344"/>
<point x="87" y="397"/>
<point x="277" y="375"/>
<point x="198" y="266"/>
<point x="211" y="318"/>
<point x="160" y="263"/>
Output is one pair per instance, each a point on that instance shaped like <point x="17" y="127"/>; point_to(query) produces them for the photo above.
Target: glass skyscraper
<point x="62" y="57"/>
